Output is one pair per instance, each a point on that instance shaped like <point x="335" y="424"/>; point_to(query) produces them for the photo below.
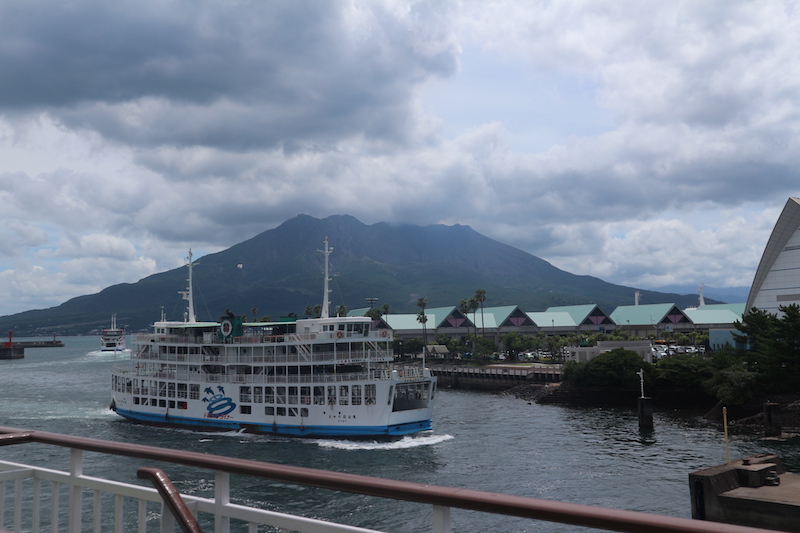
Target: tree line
<point x="765" y="362"/>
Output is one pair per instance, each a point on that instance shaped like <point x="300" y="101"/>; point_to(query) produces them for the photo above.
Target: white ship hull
<point x="220" y="408"/>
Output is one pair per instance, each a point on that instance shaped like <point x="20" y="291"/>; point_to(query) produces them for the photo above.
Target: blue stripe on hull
<point x="277" y="429"/>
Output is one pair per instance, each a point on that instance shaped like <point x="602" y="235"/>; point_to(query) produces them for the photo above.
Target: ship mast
<point x="187" y="294"/>
<point x="325" y="301"/>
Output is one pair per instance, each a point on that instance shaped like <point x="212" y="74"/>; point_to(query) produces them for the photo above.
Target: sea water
<point x="482" y="441"/>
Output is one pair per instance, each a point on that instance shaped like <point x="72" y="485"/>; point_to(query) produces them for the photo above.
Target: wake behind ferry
<point x="308" y="377"/>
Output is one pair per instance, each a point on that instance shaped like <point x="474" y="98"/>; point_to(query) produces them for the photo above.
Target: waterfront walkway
<point x="495" y="376"/>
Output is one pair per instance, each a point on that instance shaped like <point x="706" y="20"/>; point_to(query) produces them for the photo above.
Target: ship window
<point x="162" y="403"/>
<point x="269" y="395"/>
<point x="145" y="401"/>
<point x="280" y="394"/>
<point x="356" y="397"/>
<point x="162" y="388"/>
<point x="244" y="394"/>
<point x="293" y="411"/>
<point x="319" y="395"/>
<point x="181" y="390"/>
<point x="303" y="411"/>
<point x="182" y="405"/>
<point x="194" y="392"/>
<point x="244" y="409"/>
<point x="171" y="389"/>
<point x="258" y="394"/>
<point x="343" y="394"/>
<point x="172" y="404"/>
<point x="305" y="395"/>
<point x="369" y="394"/>
<point x="269" y="410"/>
<point x="135" y="400"/>
<point x="332" y="394"/>
<point x="281" y="411"/>
<point x="292" y="396"/>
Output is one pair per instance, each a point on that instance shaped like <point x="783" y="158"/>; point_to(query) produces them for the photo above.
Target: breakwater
<point x="16" y="349"/>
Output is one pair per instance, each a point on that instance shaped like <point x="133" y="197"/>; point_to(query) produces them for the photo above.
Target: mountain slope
<point x="280" y="271"/>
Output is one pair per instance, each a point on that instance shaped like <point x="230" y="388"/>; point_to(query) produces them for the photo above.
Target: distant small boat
<point x="112" y="340"/>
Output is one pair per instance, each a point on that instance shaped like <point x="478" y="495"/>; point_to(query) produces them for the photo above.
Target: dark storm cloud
<point x="238" y="75"/>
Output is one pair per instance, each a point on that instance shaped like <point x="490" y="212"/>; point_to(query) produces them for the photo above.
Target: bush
<point x="617" y="368"/>
<point x="683" y="372"/>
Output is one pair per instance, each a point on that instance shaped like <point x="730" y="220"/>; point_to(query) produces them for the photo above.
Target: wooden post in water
<point x="645" y="405"/>
<point x="772" y="420"/>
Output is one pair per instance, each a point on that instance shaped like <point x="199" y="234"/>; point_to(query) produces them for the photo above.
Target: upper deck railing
<point x="35" y="502"/>
<point x="289" y="338"/>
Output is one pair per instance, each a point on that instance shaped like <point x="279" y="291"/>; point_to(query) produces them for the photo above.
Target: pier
<point x="754" y="491"/>
<point x="494" y="377"/>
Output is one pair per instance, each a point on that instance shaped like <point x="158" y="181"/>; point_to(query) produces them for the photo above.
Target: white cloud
<point x="645" y="144"/>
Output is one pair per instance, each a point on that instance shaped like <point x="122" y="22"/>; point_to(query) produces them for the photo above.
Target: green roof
<point x="558" y="319"/>
<point x="714" y="314"/>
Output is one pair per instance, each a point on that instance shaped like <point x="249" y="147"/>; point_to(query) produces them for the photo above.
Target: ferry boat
<point x="331" y="376"/>
<point x="112" y="339"/>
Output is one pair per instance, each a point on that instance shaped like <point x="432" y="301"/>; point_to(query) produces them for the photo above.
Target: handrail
<point x="172" y="498"/>
<point x="443" y="497"/>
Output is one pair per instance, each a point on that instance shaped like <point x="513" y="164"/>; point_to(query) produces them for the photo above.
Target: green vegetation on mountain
<point x="280" y="271"/>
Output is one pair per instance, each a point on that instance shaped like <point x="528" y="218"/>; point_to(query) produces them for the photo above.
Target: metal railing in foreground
<point x="70" y="515"/>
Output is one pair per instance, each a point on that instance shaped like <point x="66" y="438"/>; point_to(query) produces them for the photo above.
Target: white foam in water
<point x="405" y="442"/>
<point x="101" y="355"/>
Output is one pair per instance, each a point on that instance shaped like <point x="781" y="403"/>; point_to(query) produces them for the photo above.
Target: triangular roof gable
<point x="511" y="316"/>
<point x="449" y="317"/>
<point x="518" y="318"/>
<point x="588" y="314"/>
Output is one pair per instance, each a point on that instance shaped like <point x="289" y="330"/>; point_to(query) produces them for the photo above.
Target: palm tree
<point x="341" y="310"/>
<point x="422" y="303"/>
<point x="473" y="306"/>
<point x="480" y="297"/>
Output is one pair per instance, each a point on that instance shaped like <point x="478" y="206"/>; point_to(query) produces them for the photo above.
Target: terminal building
<point x="777" y="279"/>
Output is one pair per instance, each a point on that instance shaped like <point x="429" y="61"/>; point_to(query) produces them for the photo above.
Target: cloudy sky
<point x="645" y="143"/>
